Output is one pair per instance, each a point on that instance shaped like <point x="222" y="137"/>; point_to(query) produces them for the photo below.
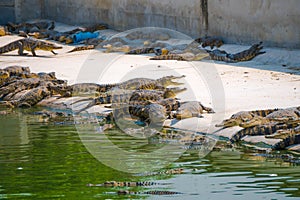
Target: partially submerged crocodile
<point x="29" y="44"/>
<point x="125" y="184"/>
<point x="154" y="192"/>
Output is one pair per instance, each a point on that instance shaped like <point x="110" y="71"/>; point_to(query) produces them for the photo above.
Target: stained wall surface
<point x="276" y="22"/>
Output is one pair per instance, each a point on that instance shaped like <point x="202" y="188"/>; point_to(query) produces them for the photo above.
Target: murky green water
<point x="44" y="161"/>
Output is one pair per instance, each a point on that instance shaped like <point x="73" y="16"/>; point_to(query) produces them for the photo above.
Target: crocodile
<point x="125" y="184"/>
<point x="126" y="96"/>
<point x="154" y="192"/>
<point x="281" y="115"/>
<point x="147" y="50"/>
<point x="82" y="48"/>
<point x="16" y="70"/>
<point x="210" y="41"/>
<point x="29" y="44"/>
<point x="265" y="129"/>
<point x="132" y="84"/>
<point x="288" y="137"/>
<point x="244" y="116"/>
<point x="190" y="109"/>
<point x="188" y="56"/>
<point x="31" y="26"/>
<point x="246" y="55"/>
<point x="31" y="97"/>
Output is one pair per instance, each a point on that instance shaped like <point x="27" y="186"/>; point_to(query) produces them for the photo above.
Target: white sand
<point x="228" y="88"/>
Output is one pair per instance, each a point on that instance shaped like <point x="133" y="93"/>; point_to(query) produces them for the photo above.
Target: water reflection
<point x="42" y="161"/>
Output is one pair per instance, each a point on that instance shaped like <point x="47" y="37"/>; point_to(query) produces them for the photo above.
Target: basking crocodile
<point x="16" y="70"/>
<point x="32" y="97"/>
<point x="132" y="84"/>
<point x="126" y="96"/>
<point x="82" y="48"/>
<point x="188" y="56"/>
<point x="244" y="116"/>
<point x="281" y="115"/>
<point x="266" y="129"/>
<point x="29" y="44"/>
<point x="289" y="137"/>
<point x="246" y="55"/>
<point x="210" y="41"/>
<point x="146" y="50"/>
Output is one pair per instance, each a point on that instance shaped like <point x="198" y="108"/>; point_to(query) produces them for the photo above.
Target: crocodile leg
<point x="21" y="49"/>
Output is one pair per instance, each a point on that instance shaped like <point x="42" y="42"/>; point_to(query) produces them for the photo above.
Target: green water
<point x="47" y="161"/>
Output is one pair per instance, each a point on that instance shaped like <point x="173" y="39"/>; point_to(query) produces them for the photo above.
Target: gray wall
<point x="276" y="22"/>
<point x="7" y="11"/>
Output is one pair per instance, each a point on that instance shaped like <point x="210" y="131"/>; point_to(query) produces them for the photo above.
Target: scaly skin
<point x="32" y="97"/>
<point x="281" y="115"/>
<point x="19" y="85"/>
<point x="29" y="44"/>
<point x="266" y="129"/>
<point x="243" y="116"/>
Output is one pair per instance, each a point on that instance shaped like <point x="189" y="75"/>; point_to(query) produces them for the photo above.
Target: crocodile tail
<point x="141" y="51"/>
<point x="290" y="140"/>
<point x="10" y="47"/>
<point x="168" y="57"/>
<point x="257" y="130"/>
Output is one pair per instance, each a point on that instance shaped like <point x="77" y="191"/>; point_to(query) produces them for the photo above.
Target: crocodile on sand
<point x="246" y="55"/>
<point x="29" y="44"/>
<point x="132" y="84"/>
<point x="244" y="116"/>
<point x="281" y="115"/>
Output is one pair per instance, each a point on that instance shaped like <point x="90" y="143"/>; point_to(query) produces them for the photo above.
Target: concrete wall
<point x="7" y="11"/>
<point x="184" y="16"/>
<point x="276" y="22"/>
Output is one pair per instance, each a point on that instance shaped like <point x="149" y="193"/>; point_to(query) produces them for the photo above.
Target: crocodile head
<point x="257" y="120"/>
<point x="4" y="74"/>
<point x="172" y="92"/>
<point x="168" y="80"/>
